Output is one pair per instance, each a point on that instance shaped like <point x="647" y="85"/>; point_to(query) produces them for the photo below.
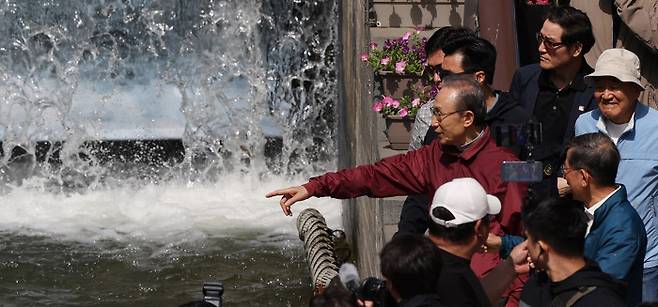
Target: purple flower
<point x="385" y="61"/>
<point x="378" y="106"/>
<point x="415" y="102"/>
<point x="406" y="36"/>
<point x="364" y="57"/>
<point x="403" y="112"/>
<point x="399" y="67"/>
<point x="373" y="45"/>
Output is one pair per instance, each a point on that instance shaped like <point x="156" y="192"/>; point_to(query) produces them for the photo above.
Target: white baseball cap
<point x="618" y="63"/>
<point x="466" y="199"/>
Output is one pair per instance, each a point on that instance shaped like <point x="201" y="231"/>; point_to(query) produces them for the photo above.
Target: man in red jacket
<point x="464" y="148"/>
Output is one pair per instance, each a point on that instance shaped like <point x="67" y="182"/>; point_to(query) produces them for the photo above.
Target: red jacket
<point x="423" y="171"/>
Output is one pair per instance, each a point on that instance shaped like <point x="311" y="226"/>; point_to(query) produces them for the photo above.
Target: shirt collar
<point x="590" y="211"/>
<point x="600" y="124"/>
<point x="578" y="82"/>
<point x="472" y="148"/>
<point x="494" y="102"/>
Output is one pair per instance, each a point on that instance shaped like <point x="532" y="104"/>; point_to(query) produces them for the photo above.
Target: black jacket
<point x="525" y="90"/>
<point x="597" y="289"/>
<point x="426" y="300"/>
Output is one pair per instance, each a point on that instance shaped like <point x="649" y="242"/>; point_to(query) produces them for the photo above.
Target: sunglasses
<point x="436" y="69"/>
<point x="548" y="43"/>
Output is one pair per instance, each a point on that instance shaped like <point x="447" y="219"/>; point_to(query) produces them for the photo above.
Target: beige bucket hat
<point x="619" y="63"/>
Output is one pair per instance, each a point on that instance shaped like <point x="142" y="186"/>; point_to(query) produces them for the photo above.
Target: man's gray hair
<point x="470" y="96"/>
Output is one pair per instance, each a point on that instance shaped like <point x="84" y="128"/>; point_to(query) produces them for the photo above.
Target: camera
<point x="373" y="289"/>
<point x="370" y="289"/>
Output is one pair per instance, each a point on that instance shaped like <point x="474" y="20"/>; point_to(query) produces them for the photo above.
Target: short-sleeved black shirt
<point x="458" y="285"/>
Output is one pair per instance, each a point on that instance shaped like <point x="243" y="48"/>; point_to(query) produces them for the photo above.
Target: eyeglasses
<point x="549" y="44"/>
<point x="441" y="116"/>
<point x="566" y="170"/>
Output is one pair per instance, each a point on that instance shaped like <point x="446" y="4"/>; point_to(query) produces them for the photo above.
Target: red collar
<point x="472" y="150"/>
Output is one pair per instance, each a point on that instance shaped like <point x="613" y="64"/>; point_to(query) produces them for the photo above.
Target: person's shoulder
<point x="623" y="216"/>
<point x="528" y="70"/>
<point x="601" y="296"/>
<point x="650" y="115"/>
<point x="588" y="120"/>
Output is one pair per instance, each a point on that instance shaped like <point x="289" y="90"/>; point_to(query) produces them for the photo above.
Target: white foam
<point x="167" y="213"/>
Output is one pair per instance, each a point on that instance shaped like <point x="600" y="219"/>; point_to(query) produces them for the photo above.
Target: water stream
<point x="246" y="92"/>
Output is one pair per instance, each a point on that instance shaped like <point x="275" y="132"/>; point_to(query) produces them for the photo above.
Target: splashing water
<point x="92" y="214"/>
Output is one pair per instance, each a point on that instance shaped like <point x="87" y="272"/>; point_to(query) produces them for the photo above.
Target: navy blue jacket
<point x="617" y="241"/>
<point x="525" y="88"/>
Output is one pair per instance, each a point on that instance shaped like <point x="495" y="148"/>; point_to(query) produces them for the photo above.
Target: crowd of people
<point x="586" y="234"/>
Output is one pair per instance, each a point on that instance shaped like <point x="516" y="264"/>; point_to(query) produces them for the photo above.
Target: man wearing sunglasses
<point x="434" y="52"/>
<point x="553" y="92"/>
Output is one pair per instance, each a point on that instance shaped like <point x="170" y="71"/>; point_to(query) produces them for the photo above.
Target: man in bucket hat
<point x="460" y="215"/>
<point x="632" y="126"/>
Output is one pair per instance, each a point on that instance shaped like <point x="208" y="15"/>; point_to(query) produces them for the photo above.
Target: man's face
<point x="615" y="99"/>
<point x="452" y="64"/>
<point x="553" y="53"/>
<point x="575" y="179"/>
<point x="434" y="60"/>
<point x="447" y="119"/>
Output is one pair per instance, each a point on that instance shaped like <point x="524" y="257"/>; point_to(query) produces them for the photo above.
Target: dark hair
<point x="412" y="264"/>
<point x="470" y="96"/>
<point x="576" y="26"/>
<point x="458" y="235"/>
<point x="478" y="54"/>
<point x="597" y="154"/>
<point x="334" y="296"/>
<point x="443" y="35"/>
<point x="559" y="222"/>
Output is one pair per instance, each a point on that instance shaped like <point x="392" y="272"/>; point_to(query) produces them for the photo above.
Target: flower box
<point x="398" y="86"/>
<point x="398" y="131"/>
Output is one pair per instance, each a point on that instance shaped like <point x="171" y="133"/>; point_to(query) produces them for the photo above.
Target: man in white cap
<point x="632" y="126"/>
<point x="460" y="214"/>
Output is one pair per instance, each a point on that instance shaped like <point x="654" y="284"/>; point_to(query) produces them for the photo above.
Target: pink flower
<point x="419" y="29"/>
<point x="372" y="45"/>
<point x="406" y="36"/>
<point x="387" y="101"/>
<point x="399" y="67"/>
<point x="415" y="102"/>
<point x="364" y="57"/>
<point x="385" y="61"/>
<point x="395" y="103"/>
<point x="403" y="112"/>
<point x="378" y="106"/>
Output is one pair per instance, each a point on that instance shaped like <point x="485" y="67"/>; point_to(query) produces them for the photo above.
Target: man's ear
<point x="469" y="118"/>
<point x="480" y="77"/>
<point x="586" y="178"/>
<point x="544" y="247"/>
<point x="576" y="49"/>
<point x="481" y="230"/>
